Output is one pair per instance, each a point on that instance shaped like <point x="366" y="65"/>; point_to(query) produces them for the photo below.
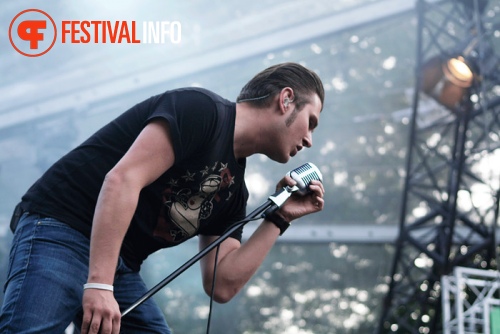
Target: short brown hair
<point x="260" y="90"/>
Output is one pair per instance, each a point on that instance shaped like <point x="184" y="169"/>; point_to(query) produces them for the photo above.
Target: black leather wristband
<point x="277" y="220"/>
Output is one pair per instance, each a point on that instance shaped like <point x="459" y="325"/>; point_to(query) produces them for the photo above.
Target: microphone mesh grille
<point x="307" y="173"/>
<point x="311" y="176"/>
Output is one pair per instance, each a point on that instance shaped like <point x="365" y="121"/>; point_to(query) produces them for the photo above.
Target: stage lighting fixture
<point x="447" y="79"/>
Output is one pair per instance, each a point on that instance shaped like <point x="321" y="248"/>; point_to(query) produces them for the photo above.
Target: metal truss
<point x="452" y="173"/>
<point x="468" y="296"/>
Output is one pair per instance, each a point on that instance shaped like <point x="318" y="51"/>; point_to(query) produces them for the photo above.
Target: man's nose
<point x="307" y="141"/>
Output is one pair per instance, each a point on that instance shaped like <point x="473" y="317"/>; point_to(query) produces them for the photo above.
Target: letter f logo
<point x="33" y="26"/>
<point x="28" y="31"/>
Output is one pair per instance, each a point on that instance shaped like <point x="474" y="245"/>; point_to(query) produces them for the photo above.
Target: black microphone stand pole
<point x="273" y="203"/>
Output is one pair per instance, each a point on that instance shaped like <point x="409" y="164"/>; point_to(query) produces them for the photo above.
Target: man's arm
<point x="147" y="159"/>
<point x="238" y="262"/>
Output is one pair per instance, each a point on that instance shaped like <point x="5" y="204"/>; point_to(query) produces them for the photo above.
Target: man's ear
<point x="286" y="97"/>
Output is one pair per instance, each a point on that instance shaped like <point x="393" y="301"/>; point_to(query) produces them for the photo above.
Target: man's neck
<point x="249" y="131"/>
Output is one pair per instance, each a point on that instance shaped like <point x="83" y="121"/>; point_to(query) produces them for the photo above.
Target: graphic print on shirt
<point x="183" y="209"/>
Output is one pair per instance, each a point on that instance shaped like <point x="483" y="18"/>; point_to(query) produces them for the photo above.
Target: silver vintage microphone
<point x="303" y="175"/>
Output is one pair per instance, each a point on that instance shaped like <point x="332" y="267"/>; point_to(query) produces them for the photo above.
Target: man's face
<point x="298" y="128"/>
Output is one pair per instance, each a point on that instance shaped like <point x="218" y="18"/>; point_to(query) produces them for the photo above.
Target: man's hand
<point x="300" y="205"/>
<point x="101" y="313"/>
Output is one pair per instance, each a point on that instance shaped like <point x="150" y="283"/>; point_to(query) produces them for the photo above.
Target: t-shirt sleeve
<point x="191" y="115"/>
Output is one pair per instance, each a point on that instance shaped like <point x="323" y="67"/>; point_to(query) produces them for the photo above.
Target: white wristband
<point x="98" y="286"/>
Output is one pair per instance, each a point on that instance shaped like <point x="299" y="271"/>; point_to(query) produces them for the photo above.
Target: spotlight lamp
<point x="447" y="80"/>
<point x="458" y="72"/>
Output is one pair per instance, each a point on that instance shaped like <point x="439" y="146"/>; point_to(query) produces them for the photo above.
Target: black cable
<point x="215" y="272"/>
<point x="213" y="289"/>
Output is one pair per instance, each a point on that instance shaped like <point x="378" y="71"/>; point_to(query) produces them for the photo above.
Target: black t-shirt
<point x="202" y="193"/>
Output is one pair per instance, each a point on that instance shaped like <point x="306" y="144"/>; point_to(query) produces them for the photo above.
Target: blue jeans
<point x="48" y="266"/>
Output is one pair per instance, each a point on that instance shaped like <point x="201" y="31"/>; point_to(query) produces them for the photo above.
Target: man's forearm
<point x="236" y="267"/>
<point x="114" y="211"/>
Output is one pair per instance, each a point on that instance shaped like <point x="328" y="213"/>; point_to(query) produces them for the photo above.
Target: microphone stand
<point x="272" y="204"/>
